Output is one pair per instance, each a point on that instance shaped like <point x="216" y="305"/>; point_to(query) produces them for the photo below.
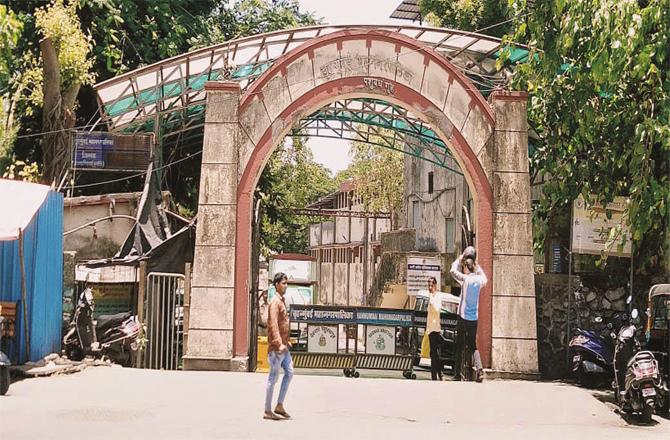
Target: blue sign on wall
<point x="102" y="150"/>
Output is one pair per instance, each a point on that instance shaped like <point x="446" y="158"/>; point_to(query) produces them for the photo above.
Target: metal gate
<point x="163" y="318"/>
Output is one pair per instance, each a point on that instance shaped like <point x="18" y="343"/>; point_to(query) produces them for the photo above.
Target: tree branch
<point x="52" y="79"/>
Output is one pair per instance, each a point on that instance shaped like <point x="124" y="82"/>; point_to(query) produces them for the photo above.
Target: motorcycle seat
<point x="106" y="322"/>
<point x="641" y="356"/>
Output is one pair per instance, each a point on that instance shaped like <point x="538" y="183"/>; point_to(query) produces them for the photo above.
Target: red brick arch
<point x="353" y="85"/>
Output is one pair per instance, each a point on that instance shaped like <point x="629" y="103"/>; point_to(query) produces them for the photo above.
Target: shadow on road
<point x="607" y="397"/>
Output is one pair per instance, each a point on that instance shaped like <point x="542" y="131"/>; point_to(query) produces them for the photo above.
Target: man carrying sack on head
<point x="472" y="279"/>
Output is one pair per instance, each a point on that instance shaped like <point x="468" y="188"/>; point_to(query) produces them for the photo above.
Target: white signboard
<point x="322" y="338"/>
<point x="380" y="339"/>
<point x="295" y="270"/>
<point x="591" y="228"/>
<point x="419" y="269"/>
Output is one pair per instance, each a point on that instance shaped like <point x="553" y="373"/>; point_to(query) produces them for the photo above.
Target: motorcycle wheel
<point x="584" y="379"/>
<point x="647" y="411"/>
<point x="75" y="353"/>
<point x="4" y="380"/>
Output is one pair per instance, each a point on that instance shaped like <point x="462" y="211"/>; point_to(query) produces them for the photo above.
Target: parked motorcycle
<point x="4" y="370"/>
<point x="111" y="336"/>
<point x="638" y="386"/>
<point x="592" y="357"/>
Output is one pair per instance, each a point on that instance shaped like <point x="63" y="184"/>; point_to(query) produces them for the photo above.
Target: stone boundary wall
<point x="602" y="296"/>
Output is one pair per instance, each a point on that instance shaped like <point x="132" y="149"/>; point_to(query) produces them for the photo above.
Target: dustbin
<point x="262" y="364"/>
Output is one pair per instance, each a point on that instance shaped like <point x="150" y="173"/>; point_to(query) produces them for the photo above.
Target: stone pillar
<point x="514" y="333"/>
<point x="210" y="334"/>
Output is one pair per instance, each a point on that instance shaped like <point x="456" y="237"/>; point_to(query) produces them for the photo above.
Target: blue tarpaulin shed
<point x="32" y="214"/>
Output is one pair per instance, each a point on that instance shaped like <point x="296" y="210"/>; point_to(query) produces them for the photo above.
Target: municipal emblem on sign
<point x="322" y="338"/>
<point x="380" y="344"/>
<point x="380" y="339"/>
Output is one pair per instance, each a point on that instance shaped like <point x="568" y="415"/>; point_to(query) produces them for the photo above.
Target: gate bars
<point x="162" y="315"/>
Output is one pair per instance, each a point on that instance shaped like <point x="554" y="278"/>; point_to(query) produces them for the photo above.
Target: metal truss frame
<point x="379" y="123"/>
<point x="168" y="97"/>
<point x="320" y="212"/>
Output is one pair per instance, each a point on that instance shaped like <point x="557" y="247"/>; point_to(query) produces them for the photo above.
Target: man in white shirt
<point x="472" y="279"/>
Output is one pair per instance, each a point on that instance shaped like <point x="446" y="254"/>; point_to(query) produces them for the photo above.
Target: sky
<point x="334" y="153"/>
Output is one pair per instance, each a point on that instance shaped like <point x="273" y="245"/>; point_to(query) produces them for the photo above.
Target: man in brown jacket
<point x="278" y="353"/>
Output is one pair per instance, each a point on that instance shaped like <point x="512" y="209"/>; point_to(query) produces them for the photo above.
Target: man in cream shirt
<point x="434" y="329"/>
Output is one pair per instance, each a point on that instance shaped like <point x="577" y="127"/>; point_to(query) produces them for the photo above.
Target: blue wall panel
<point x="43" y="255"/>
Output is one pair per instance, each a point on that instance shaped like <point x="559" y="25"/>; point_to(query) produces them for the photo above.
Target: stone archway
<point x="489" y="140"/>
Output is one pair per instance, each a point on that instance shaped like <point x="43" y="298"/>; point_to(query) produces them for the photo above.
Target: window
<point x="416" y="215"/>
<point x="449" y="231"/>
<point x="430" y="182"/>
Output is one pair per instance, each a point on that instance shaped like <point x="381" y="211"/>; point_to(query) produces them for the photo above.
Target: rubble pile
<point x="55" y="364"/>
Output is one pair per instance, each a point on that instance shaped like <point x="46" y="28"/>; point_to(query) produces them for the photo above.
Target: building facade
<point x="438" y="205"/>
<point x="345" y="248"/>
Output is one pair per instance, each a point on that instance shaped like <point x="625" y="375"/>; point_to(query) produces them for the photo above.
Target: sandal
<point x="271" y="416"/>
<point x="283" y="413"/>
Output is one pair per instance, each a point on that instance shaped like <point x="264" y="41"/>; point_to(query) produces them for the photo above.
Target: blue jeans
<point x="278" y="360"/>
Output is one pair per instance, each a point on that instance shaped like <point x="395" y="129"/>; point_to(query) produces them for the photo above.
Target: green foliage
<point x="467" y="15"/>
<point x="599" y="84"/>
<point x="19" y="170"/>
<point x="10" y="31"/>
<point x="378" y="178"/>
<point x="132" y="33"/>
<point x="291" y="179"/>
<point x="250" y="17"/>
<point x="60" y="23"/>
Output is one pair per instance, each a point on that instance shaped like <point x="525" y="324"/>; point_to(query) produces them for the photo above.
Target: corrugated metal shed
<point x="43" y="256"/>
<point x="407" y="10"/>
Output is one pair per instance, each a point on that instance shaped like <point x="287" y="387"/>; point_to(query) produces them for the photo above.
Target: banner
<point x="325" y="314"/>
<point x="112" y="298"/>
<point x="388" y="317"/>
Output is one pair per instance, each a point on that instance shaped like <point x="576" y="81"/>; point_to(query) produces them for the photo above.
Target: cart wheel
<point x="357" y="374"/>
<point x="412" y="376"/>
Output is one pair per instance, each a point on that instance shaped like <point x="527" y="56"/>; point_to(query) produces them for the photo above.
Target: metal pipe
<point x="24" y="295"/>
<point x="91" y="223"/>
<point x="171" y="329"/>
<point x="150" y="322"/>
<point x="161" y="322"/>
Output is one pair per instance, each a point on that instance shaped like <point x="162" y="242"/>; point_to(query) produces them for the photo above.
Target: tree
<point x="291" y="179"/>
<point x="10" y="32"/>
<point x="468" y="15"/>
<point x="378" y="178"/>
<point x="66" y="66"/>
<point x="599" y="89"/>
<point x="250" y="17"/>
<point x="132" y="33"/>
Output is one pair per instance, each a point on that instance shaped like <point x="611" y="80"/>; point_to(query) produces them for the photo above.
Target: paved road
<point x="117" y="403"/>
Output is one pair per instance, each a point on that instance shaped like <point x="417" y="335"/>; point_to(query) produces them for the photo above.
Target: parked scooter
<point x="111" y="336"/>
<point x="637" y="381"/>
<point x="4" y="369"/>
<point x="592" y="356"/>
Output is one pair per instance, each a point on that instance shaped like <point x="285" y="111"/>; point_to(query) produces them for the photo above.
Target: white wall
<point x="328" y="233"/>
